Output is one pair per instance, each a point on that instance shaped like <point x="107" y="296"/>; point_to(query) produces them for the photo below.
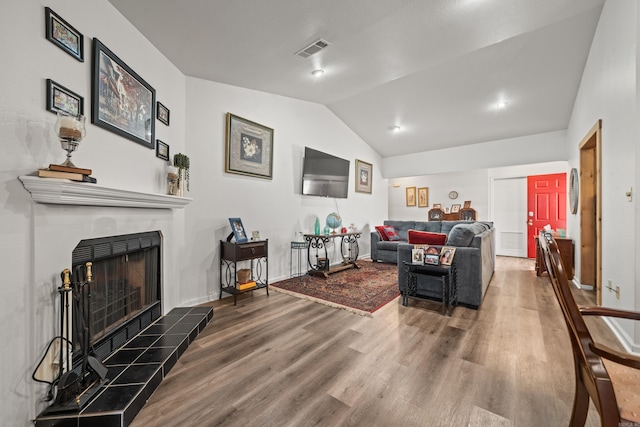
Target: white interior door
<point x="509" y="208"/>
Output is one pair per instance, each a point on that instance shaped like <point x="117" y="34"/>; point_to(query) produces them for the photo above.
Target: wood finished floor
<point x="285" y="361"/>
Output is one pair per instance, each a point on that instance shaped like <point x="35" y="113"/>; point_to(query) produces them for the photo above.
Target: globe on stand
<point x="334" y="221"/>
<point x="70" y="130"/>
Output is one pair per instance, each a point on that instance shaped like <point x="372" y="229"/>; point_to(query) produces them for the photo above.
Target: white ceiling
<point x="437" y="68"/>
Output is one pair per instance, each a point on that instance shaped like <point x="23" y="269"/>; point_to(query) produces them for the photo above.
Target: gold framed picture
<point x="364" y="175"/>
<point x="446" y="255"/>
<point x="423" y="197"/>
<point x="411" y="196"/>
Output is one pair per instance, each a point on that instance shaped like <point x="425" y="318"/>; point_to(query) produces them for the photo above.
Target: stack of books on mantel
<point x="67" y="172"/>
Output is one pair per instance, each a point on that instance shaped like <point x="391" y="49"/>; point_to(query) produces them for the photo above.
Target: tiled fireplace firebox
<point x="135" y="343"/>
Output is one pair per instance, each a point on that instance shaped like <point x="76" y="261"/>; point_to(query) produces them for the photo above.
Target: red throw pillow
<point x="387" y="232"/>
<point x="426" y="238"/>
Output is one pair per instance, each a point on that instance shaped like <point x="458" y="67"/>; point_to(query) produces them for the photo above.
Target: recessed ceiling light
<point x="317" y="72"/>
<point x="501" y="105"/>
<point x="396" y="128"/>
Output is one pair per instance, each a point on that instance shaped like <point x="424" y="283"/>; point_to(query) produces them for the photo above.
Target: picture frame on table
<point x="455" y="208"/>
<point x="59" y="98"/>
<point x="123" y="102"/>
<point x="411" y="196"/>
<point x="417" y="256"/>
<point x="364" y="176"/>
<point x="238" y="230"/>
<point x="437" y="206"/>
<point x="446" y="255"/>
<point x="162" y="113"/>
<point x="423" y="197"/>
<point x="467" y="204"/>
<point x="62" y="34"/>
<point x="249" y="148"/>
<point x="162" y="150"/>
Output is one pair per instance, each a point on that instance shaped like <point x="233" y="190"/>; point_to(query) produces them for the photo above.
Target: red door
<point x="546" y="205"/>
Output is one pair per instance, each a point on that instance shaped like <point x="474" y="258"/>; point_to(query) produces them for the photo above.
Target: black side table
<point x="447" y="276"/>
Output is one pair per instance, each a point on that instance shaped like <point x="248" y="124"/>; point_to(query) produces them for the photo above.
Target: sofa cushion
<point x="426" y="238"/>
<point x="462" y="235"/>
<point x="387" y="232"/>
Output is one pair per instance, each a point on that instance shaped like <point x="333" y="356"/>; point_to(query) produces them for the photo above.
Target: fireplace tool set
<point x="73" y="389"/>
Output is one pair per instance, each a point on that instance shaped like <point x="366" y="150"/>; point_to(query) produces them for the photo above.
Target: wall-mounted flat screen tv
<point x="324" y="175"/>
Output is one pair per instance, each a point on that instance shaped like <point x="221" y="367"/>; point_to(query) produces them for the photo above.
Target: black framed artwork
<point x="59" y="98"/>
<point x="162" y="150"/>
<point x="122" y="102"/>
<point x="163" y="113"/>
<point x="249" y="148"/>
<point x="63" y="35"/>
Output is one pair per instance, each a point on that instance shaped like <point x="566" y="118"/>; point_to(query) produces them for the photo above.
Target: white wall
<point x="37" y="239"/>
<point x="531" y="149"/>
<point x="274" y="207"/>
<point x="608" y="91"/>
<point x="470" y="185"/>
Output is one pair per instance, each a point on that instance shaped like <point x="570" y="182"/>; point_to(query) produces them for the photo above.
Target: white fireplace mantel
<point x="67" y="192"/>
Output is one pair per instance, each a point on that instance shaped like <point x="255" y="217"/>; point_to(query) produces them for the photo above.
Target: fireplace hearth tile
<point x="158" y="354"/>
<point x="135" y="370"/>
<point x="170" y="341"/>
<point x="124" y="356"/>
<point x="142" y="341"/>
<point x="137" y="374"/>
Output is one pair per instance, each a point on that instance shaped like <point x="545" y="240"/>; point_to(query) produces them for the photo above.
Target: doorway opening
<point x="590" y="208"/>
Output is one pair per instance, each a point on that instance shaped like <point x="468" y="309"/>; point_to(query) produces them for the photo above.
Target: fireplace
<point x="124" y="296"/>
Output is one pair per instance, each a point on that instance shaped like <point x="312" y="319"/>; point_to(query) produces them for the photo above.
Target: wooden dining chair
<point x="611" y="379"/>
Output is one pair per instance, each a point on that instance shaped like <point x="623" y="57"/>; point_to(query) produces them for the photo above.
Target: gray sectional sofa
<point x="474" y="258"/>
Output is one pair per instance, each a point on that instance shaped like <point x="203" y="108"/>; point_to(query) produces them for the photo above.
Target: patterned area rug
<point x="361" y="290"/>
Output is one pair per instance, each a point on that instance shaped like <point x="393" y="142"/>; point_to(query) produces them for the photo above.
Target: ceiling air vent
<point x="313" y="48"/>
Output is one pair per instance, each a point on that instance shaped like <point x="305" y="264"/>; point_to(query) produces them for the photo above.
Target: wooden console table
<point x="317" y="246"/>
<point x="565" y="248"/>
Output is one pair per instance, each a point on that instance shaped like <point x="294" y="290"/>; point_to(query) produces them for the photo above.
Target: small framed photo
<point x="162" y="150"/>
<point x="437" y="206"/>
<point x="411" y="196"/>
<point x="249" y="148"/>
<point x="455" y="208"/>
<point x="364" y="175"/>
<point x="446" y="255"/>
<point x="417" y="256"/>
<point x="63" y="35"/>
<point x="59" y="98"/>
<point x="162" y="113"/>
<point x="467" y="204"/>
<point x="238" y="230"/>
<point x="431" y="259"/>
<point x="255" y="235"/>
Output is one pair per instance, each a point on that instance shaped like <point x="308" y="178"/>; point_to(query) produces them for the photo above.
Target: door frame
<point x="590" y="207"/>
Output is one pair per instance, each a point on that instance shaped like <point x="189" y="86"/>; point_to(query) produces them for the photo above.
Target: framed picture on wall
<point x="163" y="113"/>
<point x="411" y="196"/>
<point x="249" y="149"/>
<point x="364" y="174"/>
<point x="423" y="197"/>
<point x="59" y="98"/>
<point x="123" y="102"/>
<point x="162" y="150"/>
<point x="63" y="35"/>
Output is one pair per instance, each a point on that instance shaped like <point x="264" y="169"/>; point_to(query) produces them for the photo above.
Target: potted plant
<point x="181" y="161"/>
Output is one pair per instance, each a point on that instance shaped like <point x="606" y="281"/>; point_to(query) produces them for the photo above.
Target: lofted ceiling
<point x="436" y="68"/>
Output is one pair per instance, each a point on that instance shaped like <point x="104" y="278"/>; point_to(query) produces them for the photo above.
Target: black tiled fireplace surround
<point x="135" y="370"/>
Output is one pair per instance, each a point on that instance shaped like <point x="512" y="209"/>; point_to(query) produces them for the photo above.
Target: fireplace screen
<point x="126" y="280"/>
